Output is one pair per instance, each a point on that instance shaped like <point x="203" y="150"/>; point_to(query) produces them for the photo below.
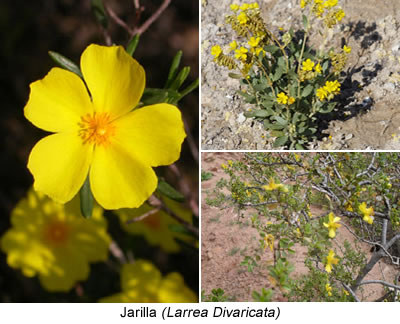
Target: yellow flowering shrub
<point x="142" y="282"/>
<point x="290" y="83"/>
<point x="104" y="135"/>
<point x="54" y="242"/>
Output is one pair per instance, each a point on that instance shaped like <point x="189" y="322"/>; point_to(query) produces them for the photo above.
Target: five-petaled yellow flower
<point x="347" y="49"/>
<point x="253" y="42"/>
<point x="308" y="65"/>
<point x="367" y="212"/>
<point x="216" y="50"/>
<point x="282" y="98"/>
<point x="242" y="18"/>
<point x="233" y="45"/>
<point x="273" y="186"/>
<point x="234" y="7"/>
<point x="54" y="242"/>
<point x="269" y="242"/>
<point x="332" y="225"/>
<point x="241" y="53"/>
<point x="100" y="131"/>
<point x="330" y="260"/>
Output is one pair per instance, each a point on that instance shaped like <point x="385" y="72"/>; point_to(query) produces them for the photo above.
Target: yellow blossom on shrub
<point x="328" y="289"/>
<point x="253" y="42"/>
<point x="101" y="134"/>
<point x="308" y="65"/>
<point x="234" y="7"/>
<point x="54" y="241"/>
<point x="340" y="15"/>
<point x="282" y="98"/>
<point x="155" y="227"/>
<point x="142" y="282"/>
<point x="244" y="6"/>
<point x="273" y="186"/>
<point x="367" y="212"/>
<point x="242" y="18"/>
<point x="232" y="45"/>
<point x="330" y="260"/>
<point x="216" y="50"/>
<point x="322" y="93"/>
<point x="241" y="53"/>
<point x="318" y="68"/>
<point x="332" y="225"/>
<point x="269" y="242"/>
<point x="347" y="49"/>
<point x="330" y="3"/>
<point x="291" y="100"/>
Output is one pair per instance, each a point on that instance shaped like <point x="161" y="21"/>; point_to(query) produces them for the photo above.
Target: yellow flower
<point x="216" y="50"/>
<point x="330" y="3"/>
<point x="155" y="227"/>
<point x="244" y="6"/>
<point x="322" y="93"/>
<point x="348" y="206"/>
<point x="54" y="241"/>
<point x="328" y="289"/>
<point x="234" y="7"/>
<point x="347" y="49"/>
<point x="273" y="186"/>
<point x="282" y="98"/>
<point x="332" y="225"/>
<point x="302" y="4"/>
<point x="142" y="282"/>
<point x="318" y="68"/>
<point x="367" y="212"/>
<point x="291" y="100"/>
<point x="340" y="15"/>
<point x="101" y="134"/>
<point x="269" y="242"/>
<point x="242" y="18"/>
<point x="253" y="42"/>
<point x="241" y="53"/>
<point x="223" y="166"/>
<point x="330" y="260"/>
<point x="346" y="292"/>
<point x="258" y="50"/>
<point x="308" y="65"/>
<point x="232" y="46"/>
<point x="254" y="5"/>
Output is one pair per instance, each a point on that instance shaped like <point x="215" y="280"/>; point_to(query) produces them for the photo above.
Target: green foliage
<point x="217" y="295"/>
<point x="205" y="175"/>
<point x="265" y="295"/>
<point x="290" y="83"/>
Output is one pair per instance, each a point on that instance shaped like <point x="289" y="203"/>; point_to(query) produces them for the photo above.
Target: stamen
<point x="96" y="129"/>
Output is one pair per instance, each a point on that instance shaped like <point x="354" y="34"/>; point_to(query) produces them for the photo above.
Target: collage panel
<point x="300" y="75"/>
<point x="99" y="155"/>
<point x="300" y="227"/>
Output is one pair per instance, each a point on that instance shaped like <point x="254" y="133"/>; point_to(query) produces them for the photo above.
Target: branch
<point x="381" y="282"/>
<point x="140" y="30"/>
<point x="141" y="217"/>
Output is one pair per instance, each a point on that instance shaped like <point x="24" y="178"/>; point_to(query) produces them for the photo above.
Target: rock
<point x="241" y="118"/>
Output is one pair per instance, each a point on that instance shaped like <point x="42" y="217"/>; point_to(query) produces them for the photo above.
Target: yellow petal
<point x="174" y="290"/>
<point x="115" y="80"/>
<point x="154" y="134"/>
<point x="118" y="179"/>
<point x="57" y="101"/>
<point x="59" y="164"/>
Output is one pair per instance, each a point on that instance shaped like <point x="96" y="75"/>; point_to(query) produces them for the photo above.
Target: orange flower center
<point x="96" y="128"/>
<point x="56" y="232"/>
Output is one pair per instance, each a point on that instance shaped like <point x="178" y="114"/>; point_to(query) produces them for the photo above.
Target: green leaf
<point x="327" y="108"/>
<point x="280" y="120"/>
<point x="325" y="66"/>
<point x="65" y="63"/>
<point x="86" y="199"/>
<point x="248" y="98"/>
<point x="276" y="133"/>
<point x="307" y="90"/>
<point x="234" y="75"/>
<point x="281" y="141"/>
<point x="131" y="47"/>
<point x="260" y="86"/>
<point x="278" y="73"/>
<point x="305" y="21"/>
<point x="188" y="89"/>
<point x="173" y="70"/>
<point x="271" y="48"/>
<point x="269" y="126"/>
<point x="268" y="104"/>
<point x="261" y="113"/>
<point x="153" y="96"/>
<point x="299" y="147"/>
<point x="99" y="12"/>
<point x="168" y="191"/>
<point x="181" y="77"/>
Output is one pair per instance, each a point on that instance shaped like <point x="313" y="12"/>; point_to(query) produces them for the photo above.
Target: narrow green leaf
<point x="188" y="90"/>
<point x="307" y="90"/>
<point x="153" y="96"/>
<point x="181" y="77"/>
<point x="131" y="47"/>
<point x="168" y="191"/>
<point x="99" y="12"/>
<point x="234" y="75"/>
<point x="65" y="63"/>
<point x="280" y="141"/>
<point x="305" y="21"/>
<point x="86" y="199"/>
<point x="173" y="70"/>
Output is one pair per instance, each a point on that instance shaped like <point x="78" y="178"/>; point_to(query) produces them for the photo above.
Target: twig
<point x="140" y="30"/>
<point x="141" y="217"/>
<point x="191" y="142"/>
<point x="351" y="292"/>
<point x="381" y="282"/>
<point x="118" y="20"/>
<point x="117" y="252"/>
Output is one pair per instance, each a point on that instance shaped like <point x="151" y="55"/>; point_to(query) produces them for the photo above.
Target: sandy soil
<point x="367" y="116"/>
<point x="226" y="239"/>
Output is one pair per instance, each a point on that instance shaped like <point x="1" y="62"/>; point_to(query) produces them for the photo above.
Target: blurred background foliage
<point x="29" y="30"/>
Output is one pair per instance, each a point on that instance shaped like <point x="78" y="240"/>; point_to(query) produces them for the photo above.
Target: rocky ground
<point x="369" y="116"/>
